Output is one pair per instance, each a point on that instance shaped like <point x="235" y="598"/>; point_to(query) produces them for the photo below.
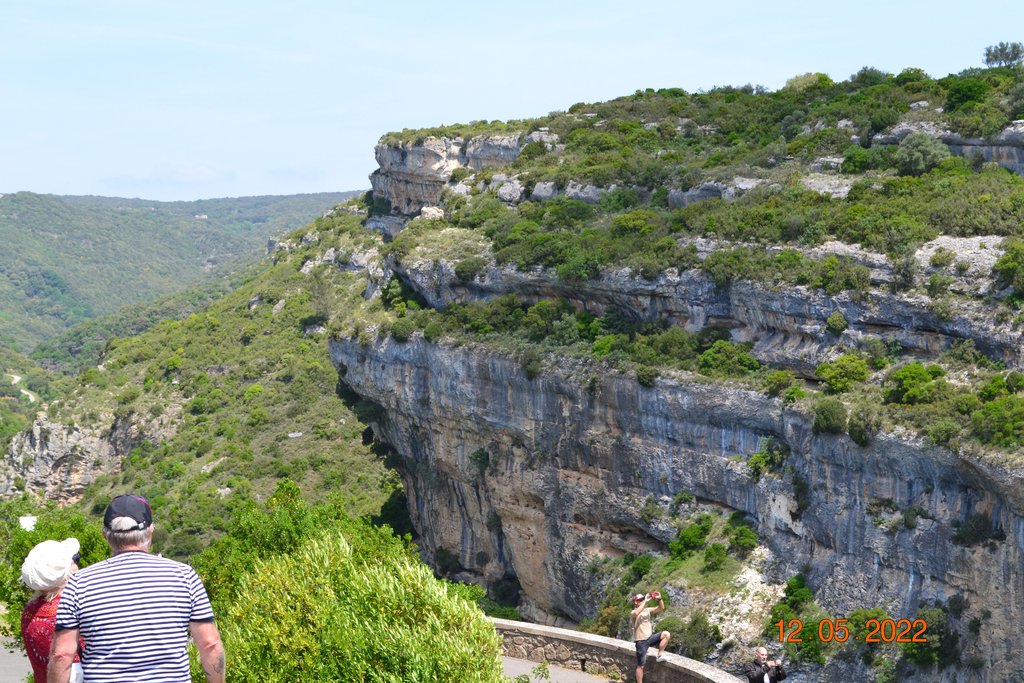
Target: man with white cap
<point x="46" y="570"/>
<point x="135" y="610"/>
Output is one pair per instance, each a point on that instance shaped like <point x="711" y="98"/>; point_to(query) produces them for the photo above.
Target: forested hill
<point x="68" y="259"/>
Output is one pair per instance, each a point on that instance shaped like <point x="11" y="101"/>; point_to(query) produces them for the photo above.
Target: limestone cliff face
<point x="572" y="454"/>
<point x="59" y="460"/>
<point x="787" y="324"/>
<point x="411" y="176"/>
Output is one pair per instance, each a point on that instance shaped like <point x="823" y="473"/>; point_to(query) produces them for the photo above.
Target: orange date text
<point x="838" y="630"/>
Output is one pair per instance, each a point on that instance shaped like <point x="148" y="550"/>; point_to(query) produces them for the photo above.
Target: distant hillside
<point x="69" y="259"/>
<point x="78" y="348"/>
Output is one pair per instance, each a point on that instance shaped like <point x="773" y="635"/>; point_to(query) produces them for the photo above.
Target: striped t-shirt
<point x="133" y="612"/>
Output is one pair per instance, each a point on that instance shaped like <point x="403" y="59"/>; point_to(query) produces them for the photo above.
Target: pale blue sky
<point x="180" y="99"/>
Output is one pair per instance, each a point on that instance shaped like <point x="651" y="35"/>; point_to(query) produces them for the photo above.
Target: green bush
<point x="742" y="539"/>
<point x="402" y="329"/>
<point x="698" y="638"/>
<point x="836" y="323"/>
<point x="919" y="153"/>
<point x="1000" y="422"/>
<point x="692" y="538"/>
<point x="315" y="614"/>
<point x="714" y="557"/>
<point x="865" y="422"/>
<point x="841" y="374"/>
<point x="829" y="416"/>
<point x="778" y="381"/>
<point x="467" y="269"/>
<point x="726" y="359"/>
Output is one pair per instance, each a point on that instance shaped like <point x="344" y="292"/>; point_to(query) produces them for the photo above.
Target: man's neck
<point x="131" y="549"/>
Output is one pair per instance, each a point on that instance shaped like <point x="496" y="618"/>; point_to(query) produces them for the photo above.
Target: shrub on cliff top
<point x="829" y="416"/>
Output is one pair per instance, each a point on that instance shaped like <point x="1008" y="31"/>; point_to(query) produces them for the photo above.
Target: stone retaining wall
<point x="599" y="655"/>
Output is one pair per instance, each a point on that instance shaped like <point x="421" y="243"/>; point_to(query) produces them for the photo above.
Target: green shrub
<point x="915" y="383"/>
<point x="692" y="538"/>
<point x="742" y="539"/>
<point x="842" y="373"/>
<point x="403" y="328"/>
<point x="459" y="173"/>
<point x="865" y="422"/>
<point x="938" y="284"/>
<point x="727" y="359"/>
<point x="467" y="269"/>
<point x="646" y="375"/>
<point x="778" y="381"/>
<point x="315" y="614"/>
<point x="1000" y="422"/>
<point x="829" y="416"/>
<point x="698" y="638"/>
<point x="770" y="456"/>
<point x="836" y="323"/>
<point x="714" y="557"/>
<point x="919" y="153"/>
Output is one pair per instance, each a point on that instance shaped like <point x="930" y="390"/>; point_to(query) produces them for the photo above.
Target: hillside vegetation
<point x="68" y="259"/>
<point x="779" y="228"/>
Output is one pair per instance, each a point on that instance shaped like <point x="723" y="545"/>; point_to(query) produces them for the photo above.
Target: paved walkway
<point x="14" y="666"/>
<point x="516" y="667"/>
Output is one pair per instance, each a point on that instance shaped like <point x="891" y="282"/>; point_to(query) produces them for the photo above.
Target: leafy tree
<point x="1004" y="54"/>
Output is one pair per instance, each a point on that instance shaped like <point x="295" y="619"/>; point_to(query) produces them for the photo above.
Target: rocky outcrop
<point x="1006" y="148"/>
<point x="59" y="460"/>
<point x="411" y="175"/>
<point x="533" y="479"/>
<point x="787" y="324"/>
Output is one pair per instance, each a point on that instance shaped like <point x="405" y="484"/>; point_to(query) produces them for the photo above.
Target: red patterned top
<point x="37" y="621"/>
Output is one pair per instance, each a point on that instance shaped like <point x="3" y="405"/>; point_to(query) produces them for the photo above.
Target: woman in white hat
<point x="47" y="568"/>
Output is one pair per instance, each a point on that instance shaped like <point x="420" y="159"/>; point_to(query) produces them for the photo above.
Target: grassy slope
<point x="259" y="402"/>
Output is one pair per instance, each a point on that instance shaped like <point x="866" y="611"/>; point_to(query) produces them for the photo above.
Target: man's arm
<point x="660" y="607"/>
<point x="211" y="651"/>
<point x="62" y="653"/>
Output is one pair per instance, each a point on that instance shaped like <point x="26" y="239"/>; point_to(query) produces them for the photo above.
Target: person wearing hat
<point x="643" y="630"/>
<point x="135" y="610"/>
<point x="46" y="570"/>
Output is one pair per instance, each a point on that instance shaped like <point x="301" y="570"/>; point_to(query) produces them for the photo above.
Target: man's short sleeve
<point x="68" y="609"/>
<point x="201" y="610"/>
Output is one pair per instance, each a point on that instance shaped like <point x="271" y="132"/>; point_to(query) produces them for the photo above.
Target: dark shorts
<point x="643" y="645"/>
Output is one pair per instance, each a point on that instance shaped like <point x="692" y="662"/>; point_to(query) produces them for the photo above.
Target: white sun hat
<point x="48" y="564"/>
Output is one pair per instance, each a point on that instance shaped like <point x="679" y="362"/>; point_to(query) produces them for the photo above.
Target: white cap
<point x="48" y="564"/>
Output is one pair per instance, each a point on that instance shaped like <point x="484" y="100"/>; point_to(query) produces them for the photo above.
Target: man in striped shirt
<point x="135" y="611"/>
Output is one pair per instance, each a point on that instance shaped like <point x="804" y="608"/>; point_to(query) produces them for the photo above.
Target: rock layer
<point x="570" y="456"/>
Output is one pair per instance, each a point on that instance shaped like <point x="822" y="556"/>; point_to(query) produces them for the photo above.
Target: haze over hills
<point x="67" y="259"/>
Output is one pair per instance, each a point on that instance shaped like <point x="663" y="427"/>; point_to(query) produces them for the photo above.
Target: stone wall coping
<point x="690" y="669"/>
